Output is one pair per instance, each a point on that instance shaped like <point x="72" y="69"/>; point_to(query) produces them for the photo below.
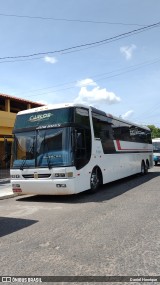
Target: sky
<point x="96" y="52"/>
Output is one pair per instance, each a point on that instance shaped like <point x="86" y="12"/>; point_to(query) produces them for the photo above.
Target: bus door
<point x="82" y="147"/>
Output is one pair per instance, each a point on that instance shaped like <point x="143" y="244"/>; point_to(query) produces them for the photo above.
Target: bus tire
<point x="95" y="180"/>
<point x="143" y="167"/>
<point x="147" y="166"/>
<point x="155" y="163"/>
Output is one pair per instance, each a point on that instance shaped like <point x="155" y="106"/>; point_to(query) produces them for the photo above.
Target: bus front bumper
<point x="44" y="187"/>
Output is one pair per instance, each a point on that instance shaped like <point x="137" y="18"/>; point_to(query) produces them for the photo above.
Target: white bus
<point x="69" y="148"/>
<point x="156" y="150"/>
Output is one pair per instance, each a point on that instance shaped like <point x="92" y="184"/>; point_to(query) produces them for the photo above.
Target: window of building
<point x="2" y="104"/>
<point x="16" y="106"/>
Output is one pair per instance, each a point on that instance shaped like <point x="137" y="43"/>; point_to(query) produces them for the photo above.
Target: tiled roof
<point x="20" y="99"/>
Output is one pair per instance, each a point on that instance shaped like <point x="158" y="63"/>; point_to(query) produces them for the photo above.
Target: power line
<point x="150" y="112"/>
<point x="20" y="60"/>
<point x="68" y="20"/>
<point x="97" y="77"/>
<point x="91" y="44"/>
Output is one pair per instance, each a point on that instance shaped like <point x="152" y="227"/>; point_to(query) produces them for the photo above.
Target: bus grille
<point x="29" y="176"/>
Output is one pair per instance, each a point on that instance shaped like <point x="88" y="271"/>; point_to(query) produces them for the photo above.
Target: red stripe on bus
<point x="118" y="144"/>
<point x="130" y="149"/>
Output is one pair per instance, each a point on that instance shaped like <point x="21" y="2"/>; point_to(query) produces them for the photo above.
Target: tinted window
<point x="83" y="147"/>
<point x="82" y="117"/>
<point x="103" y="129"/>
<point x="101" y="125"/>
<point x="127" y="132"/>
<point x="109" y="129"/>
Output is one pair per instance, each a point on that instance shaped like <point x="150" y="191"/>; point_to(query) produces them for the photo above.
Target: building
<point x="9" y="107"/>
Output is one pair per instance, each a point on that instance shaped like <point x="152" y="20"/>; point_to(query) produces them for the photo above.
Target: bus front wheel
<point x="96" y="179"/>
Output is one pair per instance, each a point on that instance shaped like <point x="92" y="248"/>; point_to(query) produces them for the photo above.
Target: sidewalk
<point x="5" y="185"/>
<point x="6" y="189"/>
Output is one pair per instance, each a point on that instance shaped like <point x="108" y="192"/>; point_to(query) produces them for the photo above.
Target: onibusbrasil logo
<point x="39" y="117"/>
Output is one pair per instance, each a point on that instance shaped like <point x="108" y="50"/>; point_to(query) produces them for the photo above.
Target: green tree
<point x="155" y="132"/>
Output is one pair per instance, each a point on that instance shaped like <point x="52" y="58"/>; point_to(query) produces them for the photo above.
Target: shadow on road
<point x="10" y="225"/>
<point x="106" y="192"/>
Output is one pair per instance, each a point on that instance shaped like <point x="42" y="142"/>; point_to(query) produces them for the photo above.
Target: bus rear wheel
<point x="147" y="166"/>
<point x="144" y="168"/>
<point x="96" y="180"/>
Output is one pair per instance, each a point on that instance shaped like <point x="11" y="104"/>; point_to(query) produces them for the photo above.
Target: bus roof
<point x="52" y="106"/>
<point x="156" y="140"/>
<point x="65" y="105"/>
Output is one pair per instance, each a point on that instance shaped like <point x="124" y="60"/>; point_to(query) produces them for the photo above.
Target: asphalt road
<point x="113" y="232"/>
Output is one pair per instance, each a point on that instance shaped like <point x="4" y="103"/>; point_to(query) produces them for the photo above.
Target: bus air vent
<point x="29" y="176"/>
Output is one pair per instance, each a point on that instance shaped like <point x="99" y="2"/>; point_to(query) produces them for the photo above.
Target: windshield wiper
<point x="25" y="158"/>
<point x="23" y="163"/>
<point x="48" y="162"/>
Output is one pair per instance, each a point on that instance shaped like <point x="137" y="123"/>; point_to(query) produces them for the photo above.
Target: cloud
<point x="127" y="51"/>
<point x="50" y="59"/>
<point x="96" y="95"/>
<point x="128" y="114"/>
<point x="86" y="82"/>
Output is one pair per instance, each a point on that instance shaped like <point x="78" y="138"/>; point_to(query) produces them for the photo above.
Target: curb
<point x="8" y="196"/>
<point x="5" y="180"/>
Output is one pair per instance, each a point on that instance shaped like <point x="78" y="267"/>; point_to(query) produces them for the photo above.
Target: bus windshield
<point x="43" y="148"/>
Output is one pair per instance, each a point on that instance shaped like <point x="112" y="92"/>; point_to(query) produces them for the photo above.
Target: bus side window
<point x="83" y="147"/>
<point x="80" y="144"/>
<point x="80" y="141"/>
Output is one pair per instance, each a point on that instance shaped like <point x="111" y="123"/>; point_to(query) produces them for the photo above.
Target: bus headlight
<point x="59" y="175"/>
<point x="63" y="175"/>
<point x="15" y="176"/>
